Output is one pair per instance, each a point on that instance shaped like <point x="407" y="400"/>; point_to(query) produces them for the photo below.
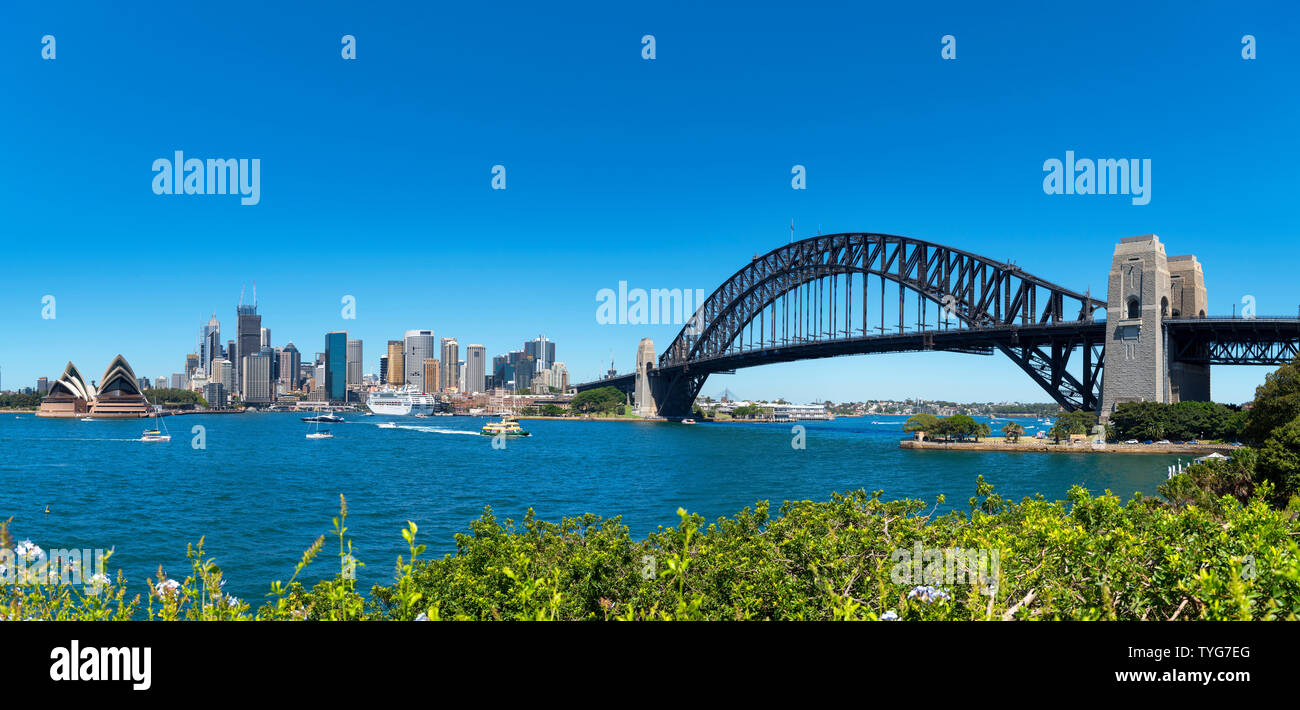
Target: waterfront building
<point x="450" y="363"/>
<point x="119" y="395"/>
<point x="178" y="381"/>
<point x="42" y="385"/>
<point x="431" y="374"/>
<point x="416" y="346"/>
<point x="215" y="393"/>
<point x="160" y="383"/>
<point x="257" y="380"/>
<point x="336" y="365"/>
<point x="475" y="379"/>
<point x="69" y="396"/>
<point x="354" y="363"/>
<point x="396" y="374"/>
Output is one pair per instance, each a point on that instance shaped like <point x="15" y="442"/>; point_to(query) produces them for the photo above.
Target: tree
<point x="552" y="410"/>
<point x="1013" y="431"/>
<point x="1277" y="402"/>
<point x="962" y="426"/>
<point x="922" y="422"/>
<point x="1279" y="460"/>
<point x="602" y="400"/>
<point x="1070" y="423"/>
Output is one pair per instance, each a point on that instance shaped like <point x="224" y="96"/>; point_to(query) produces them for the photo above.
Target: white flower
<point x="28" y="550"/>
<point x="422" y="617"/>
<point x="232" y="602"/>
<point x="167" y="586"/>
<point x="890" y="615"/>
<point x="99" y="578"/>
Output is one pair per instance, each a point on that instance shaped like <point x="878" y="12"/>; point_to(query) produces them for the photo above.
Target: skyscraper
<point x="209" y="344"/>
<point x="475" y="369"/>
<point x="336" y="365"/>
<point x="290" y="364"/>
<point x="257" y="387"/>
<point x="383" y="369"/>
<point x="265" y="338"/>
<point x="248" y="336"/>
<point x="396" y="375"/>
<point x="450" y="363"/>
<point x="354" y="363"/>
<point x="431" y="370"/>
<point x="417" y="345"/>
<point x="542" y="350"/>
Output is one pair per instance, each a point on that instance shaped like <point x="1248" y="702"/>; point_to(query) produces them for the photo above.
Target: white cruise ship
<point x="400" y="402"/>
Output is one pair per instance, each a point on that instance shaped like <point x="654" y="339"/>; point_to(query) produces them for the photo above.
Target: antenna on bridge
<point x="792" y="231"/>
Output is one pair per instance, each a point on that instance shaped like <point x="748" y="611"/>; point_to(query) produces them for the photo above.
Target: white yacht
<point x="401" y="402"/>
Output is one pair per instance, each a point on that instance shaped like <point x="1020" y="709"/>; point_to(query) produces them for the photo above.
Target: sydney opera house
<point x="117" y="397"/>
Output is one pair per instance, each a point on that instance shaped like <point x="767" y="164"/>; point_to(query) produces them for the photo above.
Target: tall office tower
<point x="248" y="335"/>
<point x="450" y="363"/>
<point x="160" y="383"/>
<point x="430" y="371"/>
<point x="416" y="346"/>
<point x="542" y="350"/>
<point x="191" y="364"/>
<point x="460" y="376"/>
<point x="503" y="371"/>
<point x="290" y="366"/>
<point x="223" y="372"/>
<point x="524" y="365"/>
<point x="209" y="343"/>
<point x="336" y="365"/>
<point x="383" y="369"/>
<point x="42" y="385"/>
<point x="265" y="338"/>
<point x="257" y="387"/>
<point x="560" y="376"/>
<point x="396" y="375"/>
<point x="475" y="369"/>
<point x="354" y="363"/>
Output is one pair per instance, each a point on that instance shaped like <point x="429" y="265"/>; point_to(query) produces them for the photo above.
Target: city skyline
<point x="402" y="202"/>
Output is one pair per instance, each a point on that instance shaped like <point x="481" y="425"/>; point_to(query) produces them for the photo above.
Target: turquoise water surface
<point x="260" y="492"/>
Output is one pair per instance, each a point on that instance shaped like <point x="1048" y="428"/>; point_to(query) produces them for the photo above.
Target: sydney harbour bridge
<point x="862" y="293"/>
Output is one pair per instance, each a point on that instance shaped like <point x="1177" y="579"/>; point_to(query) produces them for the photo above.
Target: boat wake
<point x="435" y="430"/>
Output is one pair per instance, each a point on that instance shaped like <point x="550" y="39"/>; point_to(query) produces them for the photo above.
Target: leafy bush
<point x="1084" y="558"/>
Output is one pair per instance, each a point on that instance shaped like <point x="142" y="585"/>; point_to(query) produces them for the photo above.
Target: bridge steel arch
<point x="811" y="284"/>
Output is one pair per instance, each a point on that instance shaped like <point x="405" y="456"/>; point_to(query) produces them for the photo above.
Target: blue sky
<point x="375" y="177"/>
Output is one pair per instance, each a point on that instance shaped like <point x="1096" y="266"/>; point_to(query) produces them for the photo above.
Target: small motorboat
<point x="154" y="435"/>
<point x="421" y="415"/>
<point x="388" y="425"/>
<point x="87" y="419"/>
<point x="688" y="421"/>
<point x="324" y="418"/>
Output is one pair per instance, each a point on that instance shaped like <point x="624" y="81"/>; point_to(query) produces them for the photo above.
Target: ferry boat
<point x="507" y="427"/>
<point x="400" y="402"/>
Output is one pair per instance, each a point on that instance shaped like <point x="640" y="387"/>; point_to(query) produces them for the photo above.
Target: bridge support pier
<point x="1146" y="287"/>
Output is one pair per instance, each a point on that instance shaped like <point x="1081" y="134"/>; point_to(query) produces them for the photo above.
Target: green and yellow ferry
<point x="506" y="427"/>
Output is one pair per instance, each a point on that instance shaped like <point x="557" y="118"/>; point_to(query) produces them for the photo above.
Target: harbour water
<point x="260" y="492"/>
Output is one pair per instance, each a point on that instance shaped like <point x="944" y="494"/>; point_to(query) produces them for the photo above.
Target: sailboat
<point x="156" y="434"/>
<point x="318" y="434"/>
